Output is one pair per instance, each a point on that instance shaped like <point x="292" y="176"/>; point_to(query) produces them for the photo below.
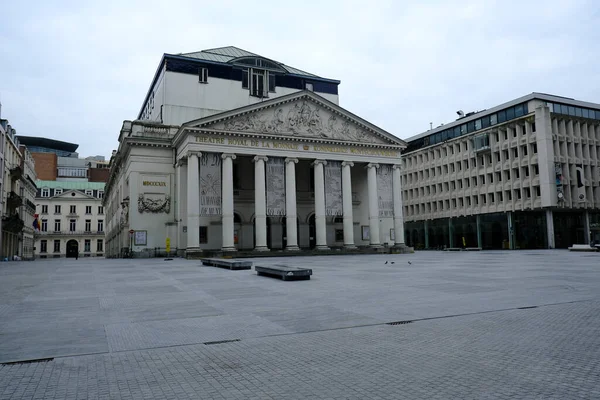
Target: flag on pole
<point x="36" y="222"/>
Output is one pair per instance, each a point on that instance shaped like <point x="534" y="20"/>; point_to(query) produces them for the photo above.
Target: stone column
<point x="450" y="233"/>
<point x="290" y="204"/>
<point x="227" y="202"/>
<point x="179" y="201"/>
<point x="511" y="231"/>
<point x="550" y="229"/>
<point x="260" y="206"/>
<point x="373" y="205"/>
<point x="586" y="228"/>
<point x="193" y="204"/>
<point x="398" y="207"/>
<point x="347" y="205"/>
<point x="479" y="239"/>
<point x="320" y="223"/>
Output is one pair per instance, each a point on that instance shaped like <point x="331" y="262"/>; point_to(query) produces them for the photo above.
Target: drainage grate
<point x="526" y="308"/>
<point x="399" y="323"/>
<point x="222" y="341"/>
<point x="38" y="360"/>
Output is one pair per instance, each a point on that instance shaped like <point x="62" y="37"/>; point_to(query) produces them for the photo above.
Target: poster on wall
<point x="140" y="238"/>
<point x="333" y="188"/>
<point x="210" y="184"/>
<point x="580" y="183"/>
<point x="275" y="186"/>
<point x="384" y="191"/>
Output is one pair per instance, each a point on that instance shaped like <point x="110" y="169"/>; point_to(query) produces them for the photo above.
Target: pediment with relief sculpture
<point x="302" y="115"/>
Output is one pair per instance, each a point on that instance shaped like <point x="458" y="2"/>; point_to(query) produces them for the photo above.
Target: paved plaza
<point x="497" y="325"/>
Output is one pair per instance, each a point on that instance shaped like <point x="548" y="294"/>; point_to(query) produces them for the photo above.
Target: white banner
<point x="333" y="188"/>
<point x="210" y="184"/>
<point x="384" y="190"/>
<point x="275" y="186"/>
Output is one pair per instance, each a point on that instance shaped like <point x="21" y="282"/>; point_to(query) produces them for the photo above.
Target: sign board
<point x="140" y="238"/>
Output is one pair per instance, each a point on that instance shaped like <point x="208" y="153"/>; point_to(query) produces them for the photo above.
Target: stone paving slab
<point x="58" y="308"/>
<point x="545" y="353"/>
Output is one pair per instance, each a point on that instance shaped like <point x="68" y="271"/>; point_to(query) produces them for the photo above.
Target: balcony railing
<point x="14" y="200"/>
<point x="70" y="233"/>
<point x="16" y="172"/>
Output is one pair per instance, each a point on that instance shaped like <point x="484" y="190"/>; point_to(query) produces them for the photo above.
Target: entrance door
<point x="312" y="232"/>
<point x="72" y="248"/>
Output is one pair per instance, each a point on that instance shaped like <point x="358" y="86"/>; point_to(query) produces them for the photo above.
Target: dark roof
<point x="48" y="143"/>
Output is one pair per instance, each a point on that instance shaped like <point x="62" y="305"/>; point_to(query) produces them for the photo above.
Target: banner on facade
<point x="275" y="175"/>
<point x="210" y="184"/>
<point x="333" y="188"/>
<point x="580" y="183"/>
<point x="384" y="190"/>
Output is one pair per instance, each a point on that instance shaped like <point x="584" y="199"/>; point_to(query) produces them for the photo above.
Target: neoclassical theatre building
<point x="234" y="151"/>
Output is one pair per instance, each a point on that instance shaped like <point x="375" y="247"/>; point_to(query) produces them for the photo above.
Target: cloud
<point x="75" y="70"/>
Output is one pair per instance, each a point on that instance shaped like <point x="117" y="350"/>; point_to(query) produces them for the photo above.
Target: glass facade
<point x="469" y="127"/>
<point x="574" y="111"/>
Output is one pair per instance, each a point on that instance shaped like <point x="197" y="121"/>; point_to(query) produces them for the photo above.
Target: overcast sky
<point x="74" y="70"/>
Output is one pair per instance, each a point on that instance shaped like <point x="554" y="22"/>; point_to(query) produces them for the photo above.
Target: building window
<point x="100" y="210"/>
<point x="56" y="209"/>
<point x="100" y="194"/>
<point x="44" y="225"/>
<point x="43" y="246"/>
<point x="87" y="245"/>
<point x="58" y="192"/>
<point x="45" y="192"/>
<point x="88" y="225"/>
<point x="72" y="225"/>
<point x="89" y="192"/>
<point x="57" y="225"/>
<point x="73" y="210"/>
<point x="57" y="246"/>
<point x="271" y="82"/>
<point x="537" y="191"/>
<point x="203" y="75"/>
<point x="203" y="234"/>
<point x="44" y="209"/>
<point x="88" y="209"/>
<point x="100" y="225"/>
<point x="536" y="169"/>
<point x="99" y="245"/>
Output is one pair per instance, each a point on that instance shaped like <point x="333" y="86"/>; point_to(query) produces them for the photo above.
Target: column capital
<point x="228" y="155"/>
<point x="260" y="158"/>
<point x="348" y="163"/>
<point x="372" y="165"/>
<point x="181" y="162"/>
<point x="291" y="160"/>
<point x="317" y="162"/>
<point x="397" y="166"/>
<point x="191" y="153"/>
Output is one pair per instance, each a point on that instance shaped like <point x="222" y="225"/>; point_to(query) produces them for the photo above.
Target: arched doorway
<point x="72" y="248"/>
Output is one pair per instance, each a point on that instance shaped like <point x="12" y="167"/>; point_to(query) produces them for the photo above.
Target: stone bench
<point x="284" y="272"/>
<point x="232" y="264"/>
<point x="582" y="247"/>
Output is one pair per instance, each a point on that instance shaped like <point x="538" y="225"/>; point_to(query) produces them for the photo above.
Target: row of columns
<point x="290" y="200"/>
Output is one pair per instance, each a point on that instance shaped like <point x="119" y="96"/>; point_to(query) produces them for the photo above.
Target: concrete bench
<point x="453" y="249"/>
<point x="284" y="272"/>
<point x="232" y="264"/>
<point x="473" y="249"/>
<point x="582" y="247"/>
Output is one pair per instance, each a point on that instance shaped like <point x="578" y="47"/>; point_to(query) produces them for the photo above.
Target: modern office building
<point x="234" y="151"/>
<point x="523" y="174"/>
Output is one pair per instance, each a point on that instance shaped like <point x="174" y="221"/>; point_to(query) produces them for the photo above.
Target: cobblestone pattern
<point x="550" y="352"/>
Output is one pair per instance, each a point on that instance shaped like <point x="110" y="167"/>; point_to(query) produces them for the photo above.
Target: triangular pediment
<point x="73" y="194"/>
<point x="299" y="115"/>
